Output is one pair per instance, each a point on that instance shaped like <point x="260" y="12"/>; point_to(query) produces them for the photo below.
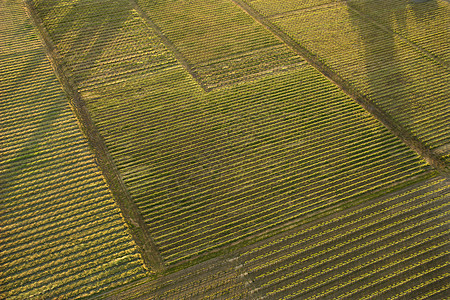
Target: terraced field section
<point x="393" y="53"/>
<point x="221" y="43"/>
<point x="62" y="235"/>
<point x="391" y="247"/>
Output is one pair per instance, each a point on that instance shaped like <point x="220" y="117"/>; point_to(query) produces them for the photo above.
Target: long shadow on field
<point x="33" y="140"/>
<point x="83" y="32"/>
<point x="388" y="82"/>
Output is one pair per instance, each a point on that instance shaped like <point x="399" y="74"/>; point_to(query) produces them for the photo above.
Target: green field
<point x="392" y="247"/>
<point x="62" y="235"/>
<point x="208" y="169"/>
<point x="387" y="58"/>
<point x="239" y="143"/>
<point x="202" y="156"/>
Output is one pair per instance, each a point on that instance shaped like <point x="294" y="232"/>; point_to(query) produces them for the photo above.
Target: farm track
<point x="392" y="246"/>
<point x="105" y="162"/>
<point x="410" y="135"/>
<point x="62" y="232"/>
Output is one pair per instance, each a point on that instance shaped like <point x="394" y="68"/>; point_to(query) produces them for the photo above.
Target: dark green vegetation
<point x="250" y="173"/>
<point x="62" y="235"/>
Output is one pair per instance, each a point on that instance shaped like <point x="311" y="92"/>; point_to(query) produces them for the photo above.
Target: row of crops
<point x="210" y="169"/>
<point x="206" y="170"/>
<point x="394" y="53"/>
<point x="394" y="247"/>
<point x="222" y="43"/>
<point x="62" y="235"/>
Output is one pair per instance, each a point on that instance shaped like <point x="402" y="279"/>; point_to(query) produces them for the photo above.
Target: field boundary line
<point x="294" y="11"/>
<point x="168" y="43"/>
<point x="399" y="131"/>
<point x="150" y="253"/>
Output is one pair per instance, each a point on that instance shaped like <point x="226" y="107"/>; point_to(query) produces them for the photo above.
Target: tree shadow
<point x="82" y="31"/>
<point x="391" y="78"/>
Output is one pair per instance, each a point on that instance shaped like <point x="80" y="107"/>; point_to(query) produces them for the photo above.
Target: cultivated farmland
<point x="394" y="54"/>
<point x="252" y="149"/>
<point x="62" y="235"/>
<point x="209" y="169"/>
<point x="394" y="246"/>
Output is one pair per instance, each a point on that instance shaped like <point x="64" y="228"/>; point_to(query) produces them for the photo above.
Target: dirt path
<point x="412" y="141"/>
<point x="135" y="221"/>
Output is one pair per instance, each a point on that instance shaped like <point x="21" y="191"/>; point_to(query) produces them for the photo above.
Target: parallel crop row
<point x="392" y="72"/>
<point x="249" y="158"/>
<point x="424" y="24"/>
<point x="62" y="233"/>
<point x="396" y="245"/>
<point x="103" y="41"/>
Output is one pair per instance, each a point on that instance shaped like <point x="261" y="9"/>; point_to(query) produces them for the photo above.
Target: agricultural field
<point x="239" y="169"/>
<point x="395" y="246"/>
<point x="62" y="234"/>
<point x="206" y="33"/>
<point x="381" y="49"/>
<point x="209" y="169"/>
<point x="189" y="159"/>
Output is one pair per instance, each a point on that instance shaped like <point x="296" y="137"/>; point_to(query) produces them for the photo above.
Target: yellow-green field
<point x="393" y="53"/>
<point x="62" y="235"/>
<point x="261" y="149"/>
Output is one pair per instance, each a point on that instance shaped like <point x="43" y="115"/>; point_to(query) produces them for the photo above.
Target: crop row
<point x="62" y="233"/>
<point x="102" y="42"/>
<point x="206" y="174"/>
<point x="426" y="25"/>
<point x="393" y="73"/>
